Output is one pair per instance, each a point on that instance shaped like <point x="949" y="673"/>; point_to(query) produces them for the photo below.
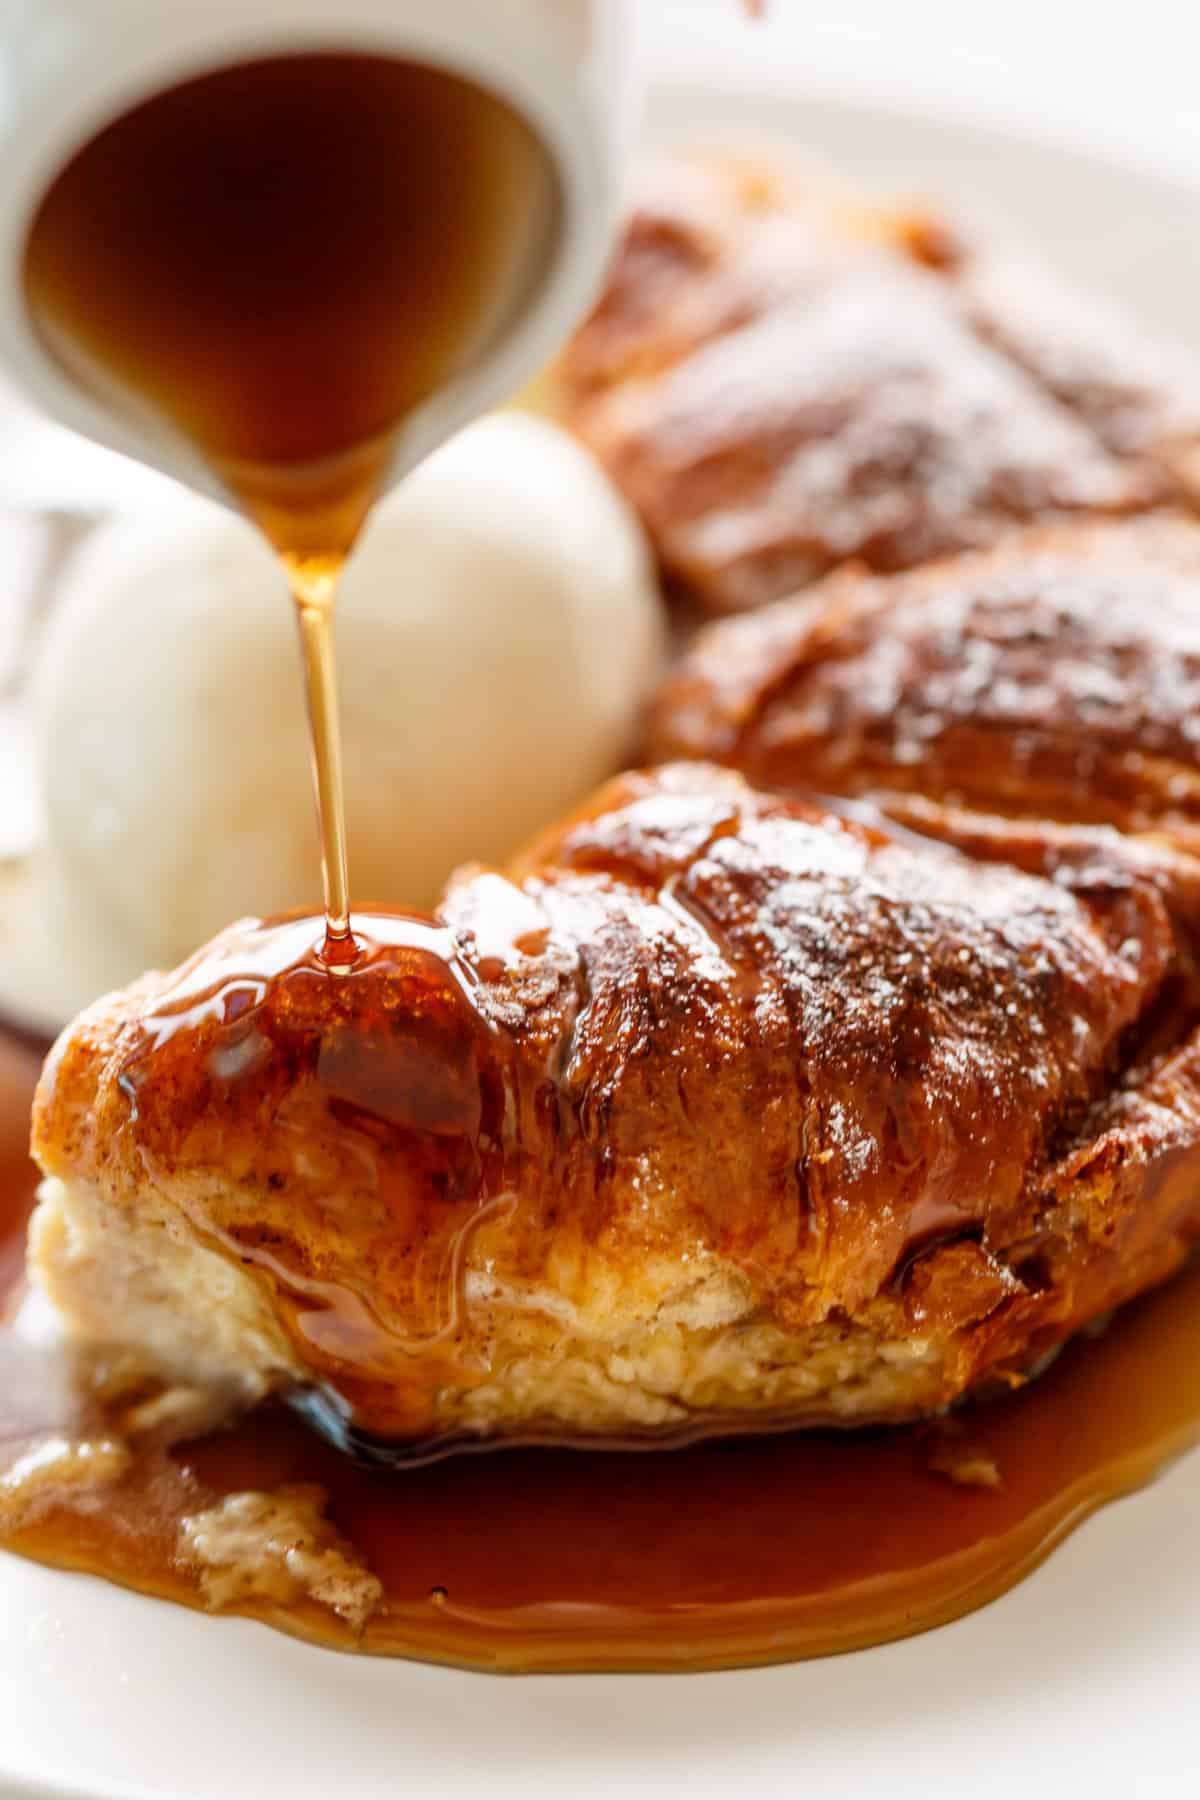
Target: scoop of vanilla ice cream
<point x="498" y="632"/>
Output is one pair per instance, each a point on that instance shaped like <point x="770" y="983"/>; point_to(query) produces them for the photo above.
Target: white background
<point x="1125" y="77"/>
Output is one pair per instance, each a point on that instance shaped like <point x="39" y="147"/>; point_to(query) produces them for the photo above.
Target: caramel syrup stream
<point x="314" y="583"/>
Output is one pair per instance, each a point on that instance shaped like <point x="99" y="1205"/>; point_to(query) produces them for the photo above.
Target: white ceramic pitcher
<point x="69" y="67"/>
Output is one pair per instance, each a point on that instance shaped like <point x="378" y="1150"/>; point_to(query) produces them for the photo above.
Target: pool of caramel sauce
<point x="752" y="1551"/>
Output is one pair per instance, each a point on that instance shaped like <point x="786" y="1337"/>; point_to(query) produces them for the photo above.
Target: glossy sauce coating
<point x="369" y="1105"/>
<point x="746" y="1552"/>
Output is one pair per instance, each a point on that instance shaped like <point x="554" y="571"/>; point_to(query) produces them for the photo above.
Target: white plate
<point x="1083" y="1679"/>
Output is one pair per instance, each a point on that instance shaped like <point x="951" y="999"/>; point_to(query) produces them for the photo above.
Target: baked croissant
<point x="780" y="381"/>
<point x="720" y="1111"/>
<point x="998" y="701"/>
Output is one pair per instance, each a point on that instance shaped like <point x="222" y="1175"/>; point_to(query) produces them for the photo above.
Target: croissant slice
<point x="1055" y="679"/>
<point x="1138" y="392"/>
<point x="781" y="382"/>
<point x="720" y="1111"/>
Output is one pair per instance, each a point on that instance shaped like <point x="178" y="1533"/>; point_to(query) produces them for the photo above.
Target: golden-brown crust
<point x="1054" y="679"/>
<point x="778" y="388"/>
<point x="1138" y="393"/>
<point x="711" y="243"/>
<point x="871" y="1085"/>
